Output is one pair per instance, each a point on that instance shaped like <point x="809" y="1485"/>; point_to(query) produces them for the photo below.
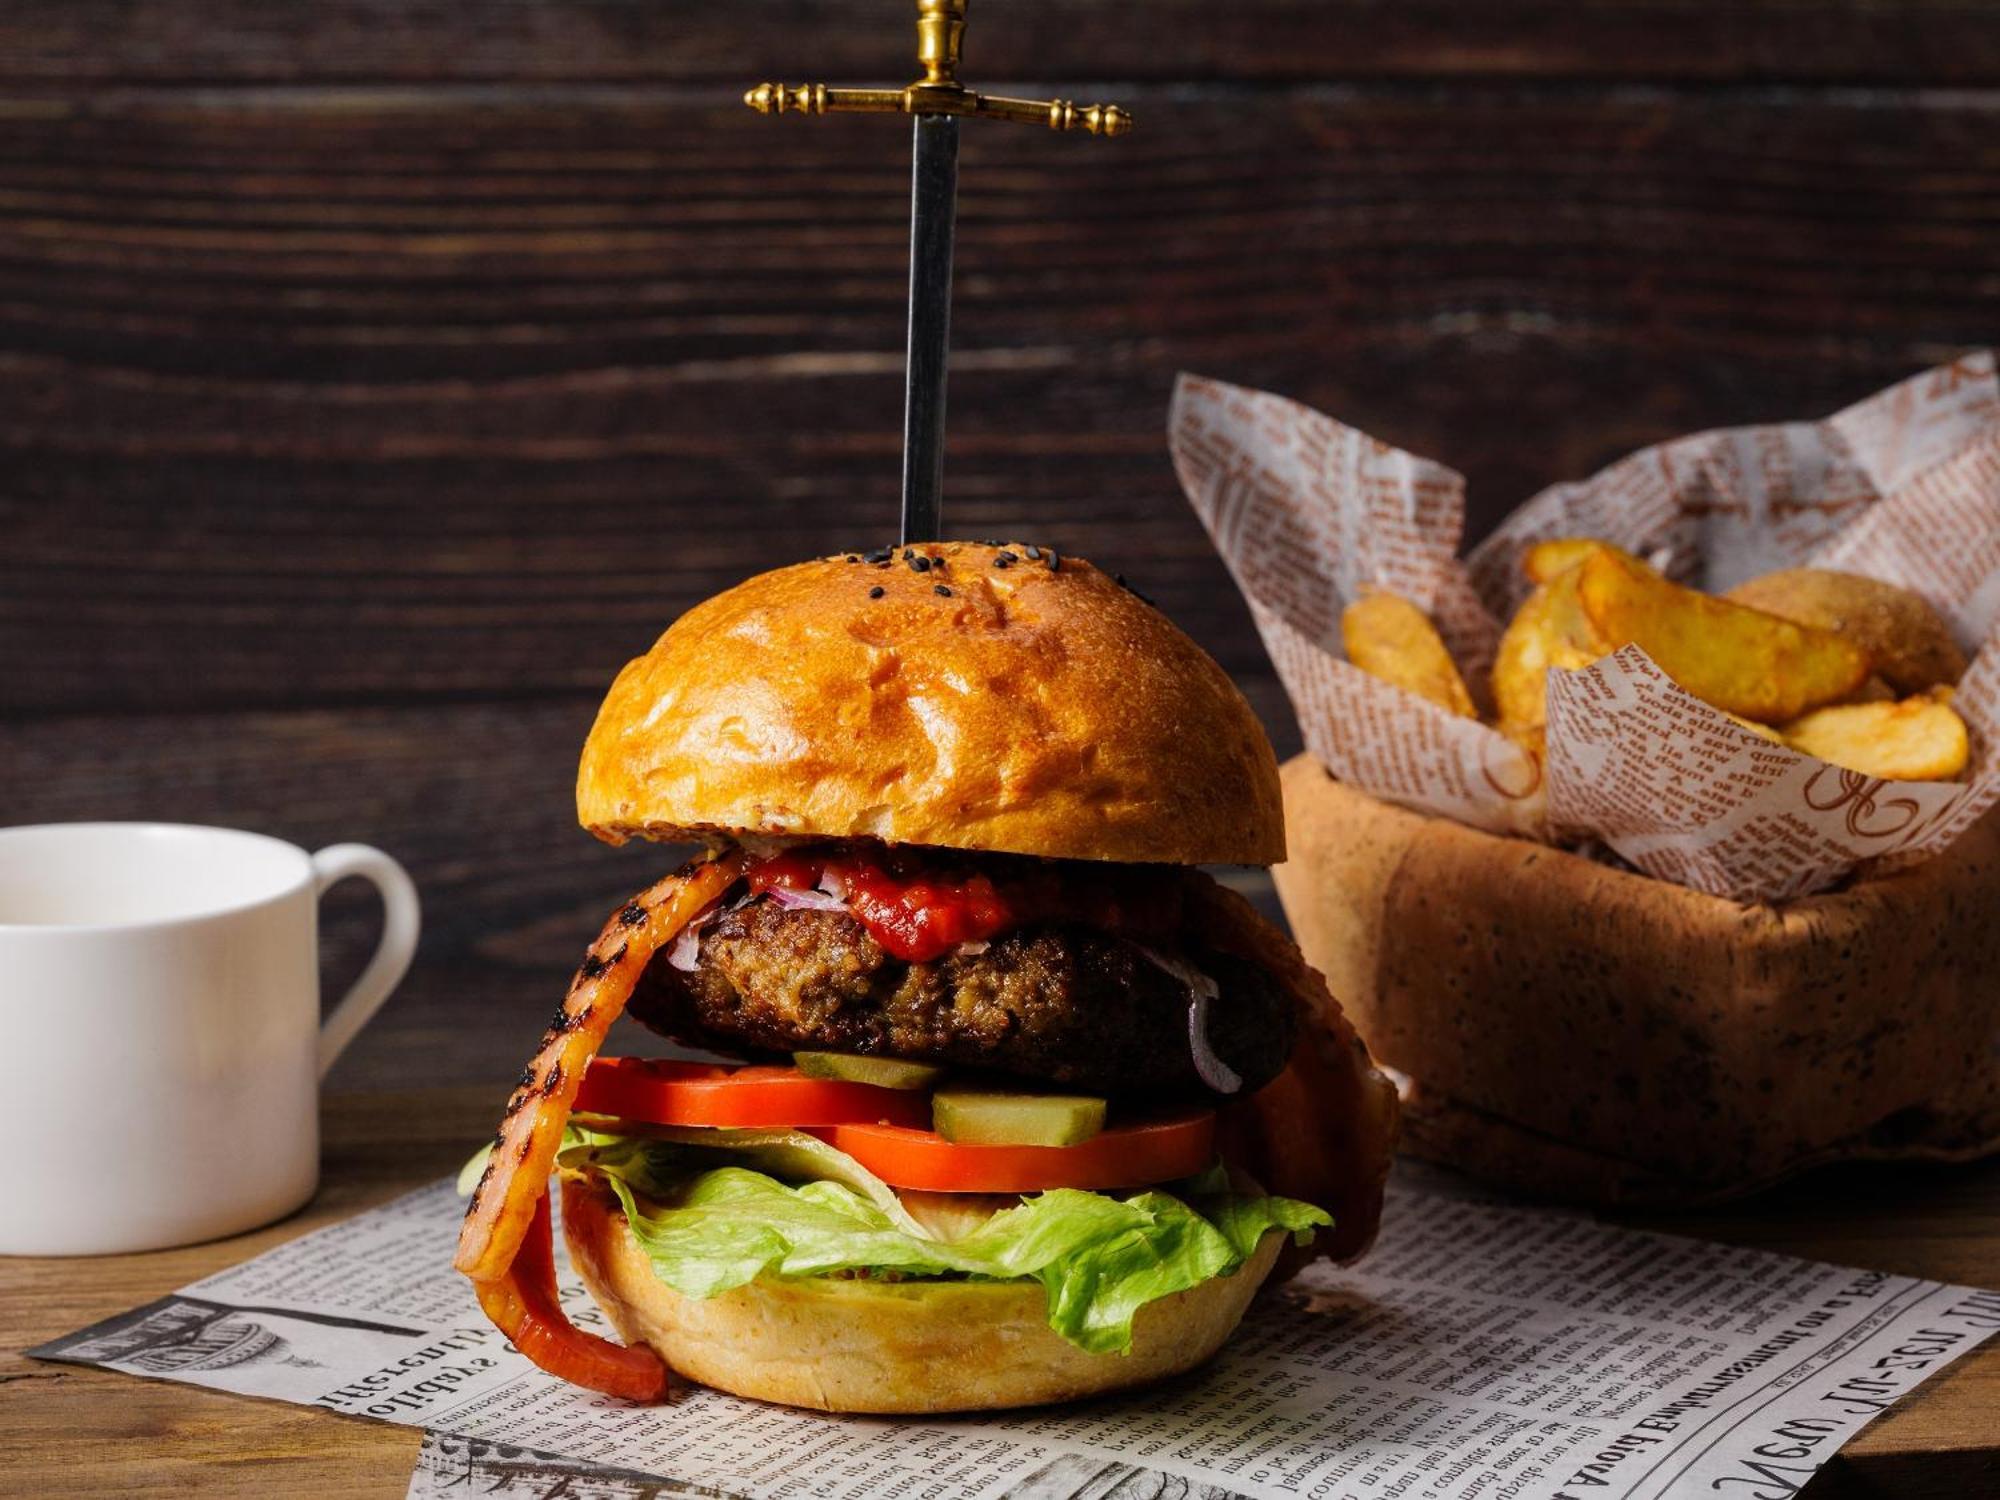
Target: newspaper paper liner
<point x="1904" y="487"/>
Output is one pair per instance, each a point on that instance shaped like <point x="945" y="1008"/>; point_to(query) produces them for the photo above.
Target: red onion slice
<point x="797" y="900"/>
<point x="1201" y="989"/>
<point x="1216" y="1073"/>
<point x="685" y="952"/>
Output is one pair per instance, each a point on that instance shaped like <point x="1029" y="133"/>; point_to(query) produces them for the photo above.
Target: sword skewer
<point x="938" y="101"/>
<point x="933" y="204"/>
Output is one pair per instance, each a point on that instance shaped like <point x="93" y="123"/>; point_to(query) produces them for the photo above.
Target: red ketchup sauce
<point x="920" y="909"/>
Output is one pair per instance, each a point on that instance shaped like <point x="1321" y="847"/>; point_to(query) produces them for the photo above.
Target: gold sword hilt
<point x="940" y="44"/>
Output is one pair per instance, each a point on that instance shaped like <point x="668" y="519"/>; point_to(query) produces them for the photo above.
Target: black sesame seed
<point x="1033" y="554"/>
<point x="877" y="592"/>
<point x="941" y="591"/>
<point x="908" y="553"/>
<point x="917" y="564"/>
<point x="880" y="554"/>
<point x="1055" y="561"/>
<point x="1004" y="560"/>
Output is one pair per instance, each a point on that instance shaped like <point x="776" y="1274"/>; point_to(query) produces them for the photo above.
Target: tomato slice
<point x="664" y="1092"/>
<point x="1152" y="1151"/>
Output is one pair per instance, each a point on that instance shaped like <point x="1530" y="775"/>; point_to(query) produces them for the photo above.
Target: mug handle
<point x="401" y="917"/>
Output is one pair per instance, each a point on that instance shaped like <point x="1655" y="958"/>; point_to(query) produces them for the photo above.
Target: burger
<point x="1020" y="1105"/>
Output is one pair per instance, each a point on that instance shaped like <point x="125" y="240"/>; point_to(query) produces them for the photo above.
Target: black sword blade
<point x="933" y="207"/>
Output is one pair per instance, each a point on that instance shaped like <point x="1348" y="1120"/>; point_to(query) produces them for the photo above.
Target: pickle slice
<point x="977" y="1118"/>
<point x="883" y="1072"/>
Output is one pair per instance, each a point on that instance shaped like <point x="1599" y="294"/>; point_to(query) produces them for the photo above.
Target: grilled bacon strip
<point x="522" y="1303"/>
<point x="515" y="1186"/>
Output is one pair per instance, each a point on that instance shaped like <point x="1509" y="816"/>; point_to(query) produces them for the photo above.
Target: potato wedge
<point x="1550" y="629"/>
<point x="1390" y="638"/>
<point x="1545" y="560"/>
<point x="1762" y="731"/>
<point x="1919" y="739"/>
<point x="1909" y="642"/>
<point x="1741" y="660"/>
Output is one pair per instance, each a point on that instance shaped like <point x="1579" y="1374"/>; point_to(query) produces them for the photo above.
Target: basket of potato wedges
<point x="1849" y="669"/>
<point x="1569" y="1025"/>
<point x="1659" y="860"/>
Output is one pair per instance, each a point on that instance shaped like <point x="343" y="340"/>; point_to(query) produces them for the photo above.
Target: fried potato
<point x="1550" y="629"/>
<point x="1390" y="638"/>
<point x="1544" y="561"/>
<point x="1762" y="731"/>
<point x="1741" y="660"/>
<point x="1909" y="642"/>
<point x="1919" y="739"/>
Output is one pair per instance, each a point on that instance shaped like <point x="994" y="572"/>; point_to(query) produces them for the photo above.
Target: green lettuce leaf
<point x="711" y="1213"/>
<point x="666" y="1155"/>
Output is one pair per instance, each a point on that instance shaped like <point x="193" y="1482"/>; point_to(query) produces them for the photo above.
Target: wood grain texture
<point x="332" y="397"/>
<point x="72" y="1431"/>
<point x="376" y="376"/>
<point x="245" y="41"/>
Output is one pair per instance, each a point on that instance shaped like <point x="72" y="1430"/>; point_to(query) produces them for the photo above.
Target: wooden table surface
<point x="375" y="378"/>
<point x="69" y="1431"/>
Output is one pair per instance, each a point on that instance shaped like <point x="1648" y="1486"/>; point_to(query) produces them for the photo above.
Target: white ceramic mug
<point x="159" y="999"/>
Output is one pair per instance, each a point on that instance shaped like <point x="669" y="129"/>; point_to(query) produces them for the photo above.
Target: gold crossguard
<point x="940" y="41"/>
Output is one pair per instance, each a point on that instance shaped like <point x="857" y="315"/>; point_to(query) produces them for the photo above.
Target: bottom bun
<point x="873" y="1346"/>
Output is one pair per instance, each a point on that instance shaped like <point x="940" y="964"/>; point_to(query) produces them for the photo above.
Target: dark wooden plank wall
<point x="376" y="377"/>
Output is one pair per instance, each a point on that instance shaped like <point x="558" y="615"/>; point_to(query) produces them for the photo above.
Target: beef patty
<point x="1054" y="1003"/>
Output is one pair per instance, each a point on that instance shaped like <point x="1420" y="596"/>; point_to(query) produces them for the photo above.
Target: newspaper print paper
<point x="1904" y="487"/>
<point x="449" y="1467"/>
<point x="1481" y="1349"/>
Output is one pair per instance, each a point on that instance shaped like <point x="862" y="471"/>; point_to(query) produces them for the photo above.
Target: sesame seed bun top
<point x="955" y="694"/>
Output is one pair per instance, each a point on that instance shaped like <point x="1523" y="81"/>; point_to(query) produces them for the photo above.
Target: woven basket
<point x="1587" y="1033"/>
